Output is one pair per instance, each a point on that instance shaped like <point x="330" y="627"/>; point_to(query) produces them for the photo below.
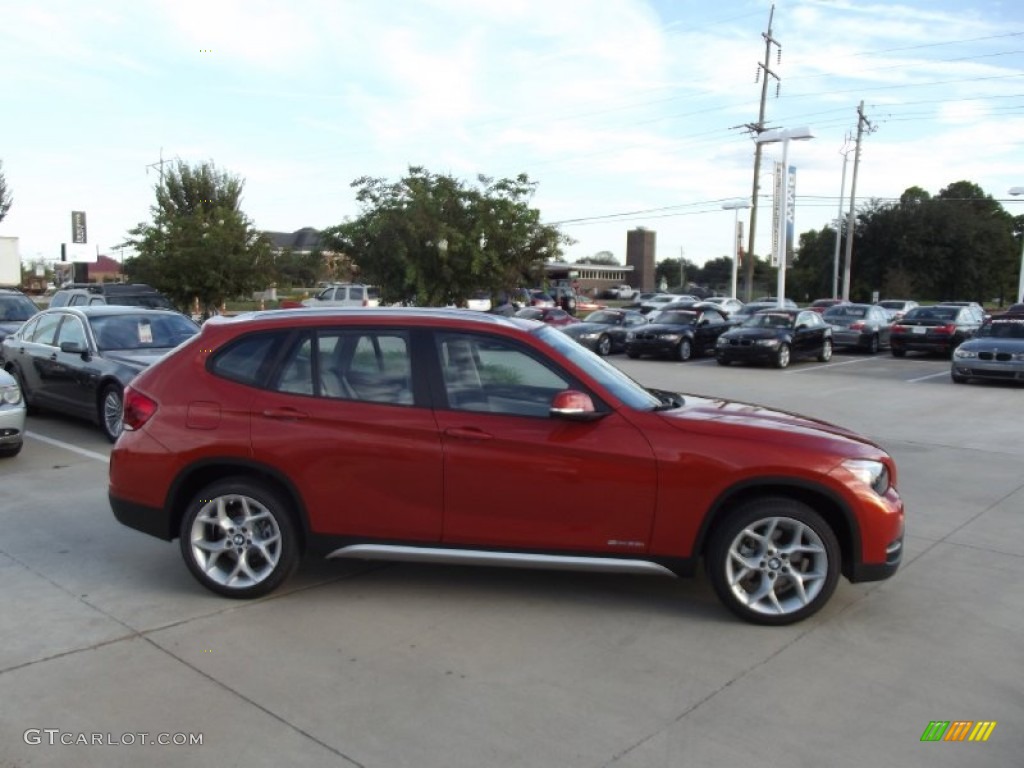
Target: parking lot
<point x="103" y="631"/>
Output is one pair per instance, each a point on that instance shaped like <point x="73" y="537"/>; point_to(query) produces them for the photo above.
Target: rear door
<point x="343" y="418"/>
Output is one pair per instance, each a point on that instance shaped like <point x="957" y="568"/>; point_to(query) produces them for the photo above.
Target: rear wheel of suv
<point x="111" y="407"/>
<point x="774" y="561"/>
<point x="238" y="539"/>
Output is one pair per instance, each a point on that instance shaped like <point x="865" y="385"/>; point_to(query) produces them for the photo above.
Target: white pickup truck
<point x="622" y="292"/>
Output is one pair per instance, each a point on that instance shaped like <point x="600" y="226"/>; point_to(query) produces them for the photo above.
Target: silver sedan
<point x="12" y="415"/>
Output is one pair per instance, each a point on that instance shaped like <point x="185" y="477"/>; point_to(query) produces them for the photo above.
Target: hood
<point x="992" y="343"/>
<point x="656" y="328"/>
<point x="717" y="415"/>
<point x="756" y="333"/>
<point x="580" y="328"/>
<point x="136" y="358"/>
<point x="7" y="327"/>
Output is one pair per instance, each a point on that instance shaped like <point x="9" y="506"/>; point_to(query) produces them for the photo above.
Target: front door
<point x="518" y="478"/>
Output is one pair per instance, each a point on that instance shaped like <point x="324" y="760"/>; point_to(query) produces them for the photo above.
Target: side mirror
<point x="573" y="405"/>
<point x="75" y="348"/>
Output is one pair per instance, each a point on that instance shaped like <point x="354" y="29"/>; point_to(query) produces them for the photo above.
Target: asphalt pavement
<point x="108" y="647"/>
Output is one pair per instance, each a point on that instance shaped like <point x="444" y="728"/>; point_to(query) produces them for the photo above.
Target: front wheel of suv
<point x="774" y="561"/>
<point x="238" y="538"/>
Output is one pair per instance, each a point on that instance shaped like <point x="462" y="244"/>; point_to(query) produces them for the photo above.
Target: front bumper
<point x="659" y="347"/>
<point x="12" y="425"/>
<point x="994" y="370"/>
<point x="746" y="353"/>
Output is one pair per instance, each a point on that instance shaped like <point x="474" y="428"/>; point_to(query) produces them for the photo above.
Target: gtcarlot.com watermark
<point x="55" y="736"/>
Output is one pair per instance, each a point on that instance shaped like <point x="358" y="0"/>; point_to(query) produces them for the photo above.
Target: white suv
<point x="345" y="295"/>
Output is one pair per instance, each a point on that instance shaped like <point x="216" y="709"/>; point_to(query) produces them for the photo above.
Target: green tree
<point x="6" y="196"/>
<point x="432" y="239"/>
<point x="298" y="269"/>
<point x="810" y="277"/>
<point x="199" y="245"/>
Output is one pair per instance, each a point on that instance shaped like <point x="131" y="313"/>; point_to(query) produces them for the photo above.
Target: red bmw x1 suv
<point x="398" y="434"/>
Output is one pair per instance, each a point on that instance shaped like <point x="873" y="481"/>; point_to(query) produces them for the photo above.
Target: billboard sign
<point x="78" y="234"/>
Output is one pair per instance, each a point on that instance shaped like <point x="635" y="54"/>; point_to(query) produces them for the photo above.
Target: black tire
<point x="826" y="351"/>
<point x="110" y="410"/>
<point x="783" y="356"/>
<point x="685" y="350"/>
<point x="787" y="524"/>
<point x="723" y="361"/>
<point x="256" y="533"/>
<point x="898" y="352"/>
<point x="873" y="345"/>
<point x="604" y="345"/>
<point x="632" y="354"/>
<point x="958" y="379"/>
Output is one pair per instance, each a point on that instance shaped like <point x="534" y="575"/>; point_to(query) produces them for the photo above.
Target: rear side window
<point x="249" y="359"/>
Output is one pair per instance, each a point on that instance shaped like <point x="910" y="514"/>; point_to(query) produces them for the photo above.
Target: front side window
<point x="489" y="374"/>
<point x="72" y="330"/>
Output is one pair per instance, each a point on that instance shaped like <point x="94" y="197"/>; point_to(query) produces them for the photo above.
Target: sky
<point x="626" y="113"/>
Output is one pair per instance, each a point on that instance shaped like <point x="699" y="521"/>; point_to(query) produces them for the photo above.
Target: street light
<point x="735" y="206"/>
<point x="785" y="135"/>
<point x="1020" y="284"/>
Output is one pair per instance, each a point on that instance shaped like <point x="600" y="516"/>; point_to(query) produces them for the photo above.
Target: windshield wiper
<point x="669" y="400"/>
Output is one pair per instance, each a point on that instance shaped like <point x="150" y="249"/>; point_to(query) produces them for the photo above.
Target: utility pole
<point x="758" y="128"/>
<point x="845" y="152"/>
<point x="861" y="122"/>
<point x="161" y="162"/>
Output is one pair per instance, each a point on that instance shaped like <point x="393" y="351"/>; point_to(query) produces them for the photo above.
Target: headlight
<point x="873" y="473"/>
<point x="722" y="341"/>
<point x="589" y="336"/>
<point x="670" y="336"/>
<point x="767" y="342"/>
<point x="10" y="394"/>
<point x="965" y="354"/>
<point x="630" y="335"/>
<point x="1018" y="357"/>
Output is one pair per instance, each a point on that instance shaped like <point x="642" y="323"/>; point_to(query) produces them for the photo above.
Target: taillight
<point x="899" y="329"/>
<point x="138" y="409"/>
<point x="366" y="302"/>
<point x="858" y="326"/>
<point x="945" y="329"/>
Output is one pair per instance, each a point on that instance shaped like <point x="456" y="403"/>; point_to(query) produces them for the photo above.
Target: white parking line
<point x="828" y="365"/>
<point x="929" y="376"/>
<point x="69" y="447"/>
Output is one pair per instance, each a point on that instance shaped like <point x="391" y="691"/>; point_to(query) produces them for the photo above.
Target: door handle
<point x="285" y="414"/>
<point x="468" y="433"/>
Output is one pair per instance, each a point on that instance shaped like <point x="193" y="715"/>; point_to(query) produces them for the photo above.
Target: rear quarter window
<point x="248" y="360"/>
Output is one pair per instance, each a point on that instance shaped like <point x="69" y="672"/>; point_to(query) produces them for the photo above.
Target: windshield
<point x="769" y="320"/>
<point x="851" y="312"/>
<point x="142" y="331"/>
<point x="604" y="318"/>
<point x="15" y="308"/>
<point x="1003" y="329"/>
<point x="150" y="300"/>
<point x="606" y="374"/>
<point x="676" y="317"/>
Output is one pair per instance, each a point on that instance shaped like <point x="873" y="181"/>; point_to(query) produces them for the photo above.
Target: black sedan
<point x="604" y="331"/>
<point x="996" y="352"/>
<point x="680" y="332"/>
<point x="776" y="336"/>
<point x="938" y="329"/>
<point x="78" y="360"/>
<point x="864" y="326"/>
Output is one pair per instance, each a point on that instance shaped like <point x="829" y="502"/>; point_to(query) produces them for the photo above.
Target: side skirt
<point x="505" y="559"/>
